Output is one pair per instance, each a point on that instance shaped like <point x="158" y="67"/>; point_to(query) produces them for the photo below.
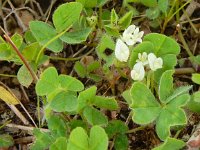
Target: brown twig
<point x="25" y="127"/>
<point x="8" y="39"/>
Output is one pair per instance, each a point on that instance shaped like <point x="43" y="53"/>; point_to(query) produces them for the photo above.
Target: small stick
<point x="19" y="21"/>
<point x="24" y="140"/>
<point x="10" y="125"/>
<point x="19" y="114"/>
<point x="24" y="92"/>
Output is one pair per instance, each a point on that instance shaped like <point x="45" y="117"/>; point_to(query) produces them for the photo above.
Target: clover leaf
<point x="171" y="143"/>
<point x="167" y="113"/>
<point x="98" y="139"/>
<point x="50" y="81"/>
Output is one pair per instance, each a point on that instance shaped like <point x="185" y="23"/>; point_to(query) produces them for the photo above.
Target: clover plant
<point x="166" y="112"/>
<point x="74" y="113"/>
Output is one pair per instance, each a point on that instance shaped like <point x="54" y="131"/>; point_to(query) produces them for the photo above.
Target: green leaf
<point x="100" y="3"/>
<point x="169" y="61"/>
<point x="145" y="46"/>
<point x="93" y="66"/>
<point x="59" y="144"/>
<point x="143" y="102"/>
<point x="29" y="38"/>
<point x="64" y="101"/>
<point x="79" y="139"/>
<point x="6" y="140"/>
<point x="162" y="44"/>
<point x="153" y="13"/>
<point x="177" y="92"/>
<point x="105" y="102"/>
<point x="57" y="126"/>
<point x="70" y="83"/>
<point x="88" y="3"/>
<point x="24" y="77"/>
<point x="171" y="115"/>
<point x="196" y="78"/>
<point x="163" y="5"/>
<point x="166" y="85"/>
<point x="194" y="104"/>
<point x="127" y="96"/>
<point x="125" y="21"/>
<point x="77" y="123"/>
<point x="43" y="33"/>
<point x="17" y="40"/>
<point x="114" y="18"/>
<point x="98" y="139"/>
<point x="121" y="142"/>
<point x="86" y="97"/>
<point x="65" y="15"/>
<point x="31" y="51"/>
<point x="112" y="31"/>
<point x="5" y="51"/>
<point x="47" y="82"/>
<point x="106" y="43"/>
<point x="94" y="77"/>
<point x="80" y="69"/>
<point x="197" y="96"/>
<point x="116" y="127"/>
<point x="94" y="116"/>
<point x="170" y="144"/>
<point x="43" y="140"/>
<point x="76" y="37"/>
<point x="151" y="3"/>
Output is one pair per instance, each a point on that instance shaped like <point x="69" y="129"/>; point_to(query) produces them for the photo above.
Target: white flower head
<point x="132" y="35"/>
<point x="142" y="58"/>
<point x="154" y="62"/>
<point x="121" y="51"/>
<point x="138" y="72"/>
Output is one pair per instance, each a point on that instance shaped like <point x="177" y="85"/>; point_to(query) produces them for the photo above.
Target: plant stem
<point x="8" y="39"/>
<point x="71" y="58"/>
<point x="100" y="18"/>
<point x="49" y="42"/>
<point x="170" y="15"/>
<point x="8" y="75"/>
<point x="184" y="70"/>
<point x="180" y="34"/>
<point x="136" y="129"/>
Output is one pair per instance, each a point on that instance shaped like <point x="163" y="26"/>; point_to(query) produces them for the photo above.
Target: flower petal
<point x="121" y="51"/>
<point x="138" y="72"/>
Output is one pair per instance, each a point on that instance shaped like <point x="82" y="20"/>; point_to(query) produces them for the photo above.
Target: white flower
<point x="121" y="51"/>
<point x="138" y="72"/>
<point x="154" y="62"/>
<point x="142" y="58"/>
<point x="132" y="35"/>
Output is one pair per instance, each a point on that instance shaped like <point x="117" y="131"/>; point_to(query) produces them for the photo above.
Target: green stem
<point x="136" y="129"/>
<point x="100" y="17"/>
<point x="71" y="58"/>
<point x="167" y="18"/>
<point x="49" y="42"/>
<point x="170" y="15"/>
<point x="180" y="34"/>
<point x="179" y="9"/>
<point x="8" y="75"/>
